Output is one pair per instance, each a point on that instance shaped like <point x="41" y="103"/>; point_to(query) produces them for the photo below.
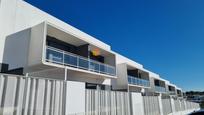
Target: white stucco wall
<point x="36" y="45"/>
<point x="122" y="59"/>
<point x="7" y="21"/>
<point x="16" y="49"/>
<point x="25" y="48"/>
<point x="121" y="82"/>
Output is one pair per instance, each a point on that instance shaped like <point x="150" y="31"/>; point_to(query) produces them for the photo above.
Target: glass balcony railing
<point x="138" y="81"/>
<point x="172" y="92"/>
<point x="68" y="59"/>
<point x="160" y="89"/>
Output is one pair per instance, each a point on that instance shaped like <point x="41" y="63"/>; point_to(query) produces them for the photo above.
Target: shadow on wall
<point x="3" y="67"/>
<point x="16" y="51"/>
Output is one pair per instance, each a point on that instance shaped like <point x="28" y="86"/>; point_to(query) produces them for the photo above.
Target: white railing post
<point x="65" y="91"/>
<point x="99" y="68"/>
<point x="77" y="61"/>
<point x="65" y="74"/>
<point x="63" y="58"/>
<point x="89" y="62"/>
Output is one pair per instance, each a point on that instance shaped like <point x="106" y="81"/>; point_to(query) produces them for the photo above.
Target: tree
<point x="202" y="104"/>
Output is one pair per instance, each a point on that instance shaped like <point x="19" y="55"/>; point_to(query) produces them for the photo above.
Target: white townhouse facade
<point x="46" y="43"/>
<point x="49" y="51"/>
<point x="46" y="46"/>
<point x="34" y="43"/>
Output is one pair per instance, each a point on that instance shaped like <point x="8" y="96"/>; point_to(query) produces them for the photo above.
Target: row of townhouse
<point x="34" y="43"/>
<point x="37" y="43"/>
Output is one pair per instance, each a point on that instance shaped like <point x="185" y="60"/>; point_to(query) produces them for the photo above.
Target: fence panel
<point x="101" y="102"/>
<point x="182" y="105"/>
<point x="177" y="105"/>
<point x="166" y="105"/>
<point x="151" y="105"/>
<point x="136" y="103"/>
<point x="22" y="96"/>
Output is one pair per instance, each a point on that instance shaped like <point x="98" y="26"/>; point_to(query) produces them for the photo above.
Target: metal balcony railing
<point x="138" y="81"/>
<point x="160" y="89"/>
<point x="61" y="57"/>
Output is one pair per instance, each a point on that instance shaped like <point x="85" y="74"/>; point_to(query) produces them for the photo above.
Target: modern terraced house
<point x="49" y="67"/>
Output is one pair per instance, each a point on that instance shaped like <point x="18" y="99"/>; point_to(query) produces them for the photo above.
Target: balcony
<point x="61" y="57"/>
<point x="179" y="93"/>
<point x="138" y="81"/>
<point x="172" y="92"/>
<point x="160" y="89"/>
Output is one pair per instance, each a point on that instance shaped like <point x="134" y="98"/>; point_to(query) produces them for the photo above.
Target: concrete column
<point x="129" y="102"/>
<point x="65" y="91"/>
<point x="172" y="105"/>
<point x="160" y="104"/>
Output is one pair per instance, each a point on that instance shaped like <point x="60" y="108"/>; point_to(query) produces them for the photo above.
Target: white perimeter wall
<point x="22" y="95"/>
<point x="34" y="96"/>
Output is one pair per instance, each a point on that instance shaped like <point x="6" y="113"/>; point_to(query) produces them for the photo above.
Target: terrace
<point x="171" y="90"/>
<point x="138" y="77"/>
<point x="159" y="86"/>
<point x="67" y="50"/>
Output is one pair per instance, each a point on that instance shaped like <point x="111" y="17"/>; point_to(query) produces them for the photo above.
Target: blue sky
<point x="166" y="36"/>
